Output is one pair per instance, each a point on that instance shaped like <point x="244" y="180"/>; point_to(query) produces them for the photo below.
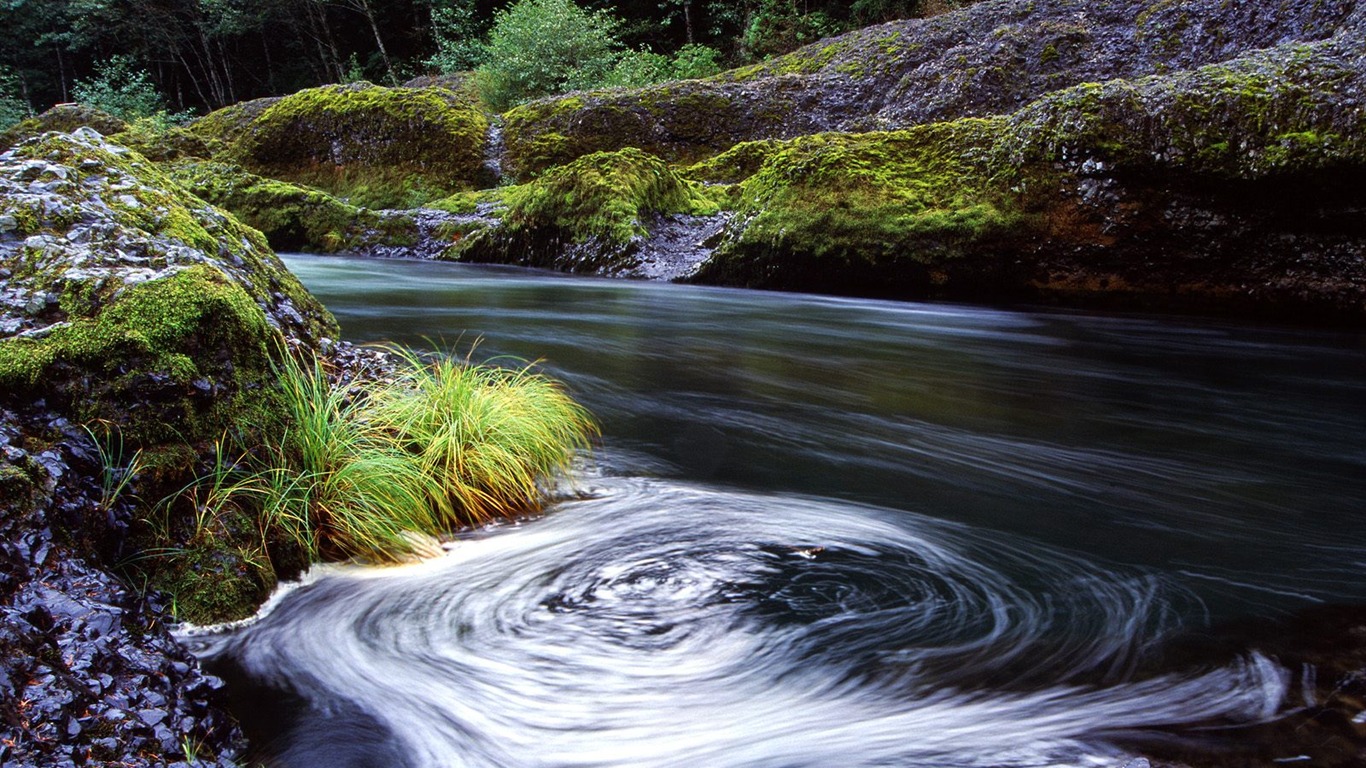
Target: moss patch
<point x="856" y="210"/>
<point x="1272" y="112"/>
<point x="377" y="147"/>
<point x="180" y="358"/>
<point x="584" y="216"/>
<point x="292" y="217"/>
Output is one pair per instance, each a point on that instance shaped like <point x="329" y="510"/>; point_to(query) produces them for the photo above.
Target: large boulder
<point x="294" y="217"/>
<point x="592" y="215"/>
<point x="63" y="117"/>
<point x="376" y="147"/>
<point x="989" y="59"/>
<point x="139" y="327"/>
<point x="1224" y="188"/>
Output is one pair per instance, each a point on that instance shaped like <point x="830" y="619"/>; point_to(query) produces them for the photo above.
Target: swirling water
<point x="831" y="532"/>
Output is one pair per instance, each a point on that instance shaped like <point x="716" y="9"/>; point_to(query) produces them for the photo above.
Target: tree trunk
<point x="383" y="54"/>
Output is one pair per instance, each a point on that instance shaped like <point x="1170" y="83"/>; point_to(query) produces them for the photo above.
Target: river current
<point x="831" y="532"/>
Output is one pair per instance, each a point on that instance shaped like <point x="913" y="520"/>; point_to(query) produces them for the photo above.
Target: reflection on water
<point x="918" y="534"/>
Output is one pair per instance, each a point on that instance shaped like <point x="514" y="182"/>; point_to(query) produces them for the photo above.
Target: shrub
<point x="457" y="32"/>
<point x="540" y="47"/>
<point x="640" y="68"/>
<point x="693" y="61"/>
<point x="124" y="92"/>
<point x="13" y="109"/>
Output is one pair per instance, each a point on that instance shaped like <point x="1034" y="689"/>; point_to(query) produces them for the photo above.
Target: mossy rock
<point x="91" y="218"/>
<point x="227" y="124"/>
<point x="181" y="357"/>
<point x="376" y="147"/>
<point x="1224" y="189"/>
<point x="682" y="122"/>
<point x="586" y="216"/>
<point x="1286" y="110"/>
<point x="162" y="143"/>
<point x="65" y="118"/>
<point x="985" y="60"/>
<point x="871" y="213"/>
<point x="292" y="217"/>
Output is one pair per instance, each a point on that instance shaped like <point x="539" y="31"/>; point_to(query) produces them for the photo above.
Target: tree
<point x="540" y="47"/>
<point x="121" y="90"/>
<point x="13" y="107"/>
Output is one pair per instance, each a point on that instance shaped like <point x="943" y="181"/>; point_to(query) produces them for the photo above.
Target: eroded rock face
<point x="1220" y="189"/>
<point x="377" y="147"/>
<point x="137" y="323"/>
<point x="989" y="59"/>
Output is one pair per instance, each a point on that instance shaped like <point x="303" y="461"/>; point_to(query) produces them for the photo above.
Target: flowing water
<point x="831" y="532"/>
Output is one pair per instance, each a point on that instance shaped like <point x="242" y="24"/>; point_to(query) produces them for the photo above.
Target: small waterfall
<point x="493" y="153"/>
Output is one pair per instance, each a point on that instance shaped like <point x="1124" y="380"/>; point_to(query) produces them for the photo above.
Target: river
<point x="832" y="532"/>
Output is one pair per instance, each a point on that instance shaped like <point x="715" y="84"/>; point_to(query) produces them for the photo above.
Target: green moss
<point x="226" y="125"/>
<point x="735" y="164"/>
<point x="681" y="122"/>
<point x="377" y="147"/>
<point x="866" y="207"/>
<point x="603" y="195"/>
<point x="156" y="141"/>
<point x="1271" y="112"/>
<point x="154" y="335"/>
<point x="220" y="573"/>
<point x="469" y="202"/>
<point x="292" y="217"/>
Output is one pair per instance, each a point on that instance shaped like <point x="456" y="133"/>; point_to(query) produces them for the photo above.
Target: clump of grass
<point x="444" y="445"/>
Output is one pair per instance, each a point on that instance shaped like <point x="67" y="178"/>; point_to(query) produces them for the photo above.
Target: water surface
<point x="825" y="531"/>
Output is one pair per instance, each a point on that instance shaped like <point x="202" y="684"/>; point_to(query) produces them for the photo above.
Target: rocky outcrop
<point x="591" y="215"/>
<point x="376" y="147"/>
<point x="63" y="117"/>
<point x="293" y="217"/>
<point x="1179" y="154"/>
<point x="989" y="59"/>
<point x="1222" y="189"/>
<point x="138" y="326"/>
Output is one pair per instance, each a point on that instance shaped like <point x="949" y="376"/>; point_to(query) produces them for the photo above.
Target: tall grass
<point x="444" y="445"/>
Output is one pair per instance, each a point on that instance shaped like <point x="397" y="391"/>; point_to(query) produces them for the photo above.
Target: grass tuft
<point x="444" y="445"/>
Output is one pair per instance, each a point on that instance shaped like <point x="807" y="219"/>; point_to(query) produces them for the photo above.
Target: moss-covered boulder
<point x="63" y="117"/>
<point x="292" y="217"/>
<point x="132" y="307"/>
<point x="1224" y="188"/>
<point x="681" y="122"/>
<point x="891" y="213"/>
<point x="376" y="147"/>
<point x="988" y="59"/>
<point x="160" y="142"/>
<point x="227" y="124"/>
<point x="587" y="216"/>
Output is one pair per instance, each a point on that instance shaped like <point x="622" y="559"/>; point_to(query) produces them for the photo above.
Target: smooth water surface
<point x="824" y="531"/>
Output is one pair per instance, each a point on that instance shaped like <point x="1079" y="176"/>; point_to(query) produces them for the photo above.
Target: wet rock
<point x="130" y="304"/>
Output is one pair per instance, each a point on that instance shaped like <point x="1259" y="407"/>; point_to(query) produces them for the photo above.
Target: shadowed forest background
<point x="198" y="55"/>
